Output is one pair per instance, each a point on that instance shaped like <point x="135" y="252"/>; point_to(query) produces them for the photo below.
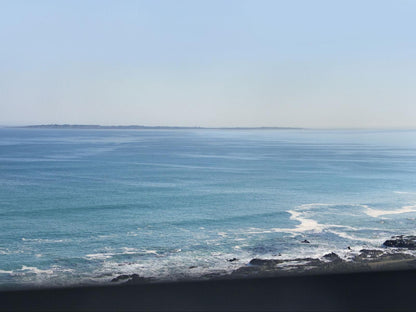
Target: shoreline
<point x="398" y="253"/>
<point x="358" y="291"/>
<point x="395" y="254"/>
<point x="374" y="280"/>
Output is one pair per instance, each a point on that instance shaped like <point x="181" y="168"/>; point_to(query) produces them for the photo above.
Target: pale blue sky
<point x="209" y="63"/>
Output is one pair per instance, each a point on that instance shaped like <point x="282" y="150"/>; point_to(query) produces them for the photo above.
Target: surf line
<point x="375" y="213"/>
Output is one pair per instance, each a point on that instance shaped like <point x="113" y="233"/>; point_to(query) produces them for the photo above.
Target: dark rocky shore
<point x="377" y="280"/>
<point x="392" y="255"/>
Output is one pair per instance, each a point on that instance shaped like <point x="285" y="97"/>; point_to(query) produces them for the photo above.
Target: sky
<point x="319" y="64"/>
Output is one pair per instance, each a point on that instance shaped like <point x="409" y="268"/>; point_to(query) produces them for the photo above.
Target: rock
<point x="121" y="278"/>
<point x="258" y="267"/>
<point x="401" y="241"/>
<point x="264" y="262"/>
<point x="258" y="262"/>
<point x="305" y="241"/>
<point x="192" y="267"/>
<point x="349" y="248"/>
<point x="130" y="279"/>
<point x="136" y="279"/>
<point x="232" y="260"/>
<point x="368" y="254"/>
<point x="332" y="257"/>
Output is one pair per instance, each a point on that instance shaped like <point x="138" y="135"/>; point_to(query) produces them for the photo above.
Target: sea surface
<point x="84" y="206"/>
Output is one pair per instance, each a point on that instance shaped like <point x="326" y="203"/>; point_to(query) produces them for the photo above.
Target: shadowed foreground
<point x="370" y="291"/>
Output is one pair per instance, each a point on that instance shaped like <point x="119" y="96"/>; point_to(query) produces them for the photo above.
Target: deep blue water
<point x="83" y="206"/>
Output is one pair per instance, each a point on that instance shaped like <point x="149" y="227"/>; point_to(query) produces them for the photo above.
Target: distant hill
<point x="67" y="126"/>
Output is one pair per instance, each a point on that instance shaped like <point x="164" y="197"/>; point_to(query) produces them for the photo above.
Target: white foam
<point x="42" y="240"/>
<point x="6" y="272"/>
<point x="36" y="270"/>
<point x="375" y="241"/>
<point x="99" y="256"/>
<point x="375" y="213"/>
<point x="125" y="251"/>
<point x="306" y="225"/>
<point x="154" y="252"/>
<point x="186" y="264"/>
<point x="129" y="250"/>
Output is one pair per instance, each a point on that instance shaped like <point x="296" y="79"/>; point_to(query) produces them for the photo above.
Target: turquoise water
<point x="83" y="206"/>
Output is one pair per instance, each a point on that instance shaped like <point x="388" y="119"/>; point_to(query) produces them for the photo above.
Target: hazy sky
<point x="209" y="63"/>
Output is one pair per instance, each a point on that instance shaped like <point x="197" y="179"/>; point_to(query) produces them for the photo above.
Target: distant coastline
<point x="68" y="126"/>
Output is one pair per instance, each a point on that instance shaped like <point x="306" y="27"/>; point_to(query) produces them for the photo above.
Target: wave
<point x="306" y="225"/>
<point x="375" y="213"/>
<point x="99" y="256"/>
<point x="6" y="251"/>
<point x="178" y="265"/>
<point x="36" y="270"/>
<point x="376" y="241"/>
<point x="125" y="251"/>
<point x="42" y="240"/>
<point x="366" y="209"/>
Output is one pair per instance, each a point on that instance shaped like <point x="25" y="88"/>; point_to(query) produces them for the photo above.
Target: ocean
<point x="81" y="206"/>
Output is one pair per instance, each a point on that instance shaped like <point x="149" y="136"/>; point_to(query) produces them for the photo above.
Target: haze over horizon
<point x="320" y="64"/>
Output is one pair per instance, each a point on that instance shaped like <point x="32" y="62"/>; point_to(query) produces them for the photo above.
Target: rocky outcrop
<point x="131" y="279"/>
<point x="265" y="262"/>
<point x="366" y="260"/>
<point x="332" y="257"/>
<point x="120" y="278"/>
<point x="368" y="254"/>
<point x="401" y="241"/>
<point x="274" y="267"/>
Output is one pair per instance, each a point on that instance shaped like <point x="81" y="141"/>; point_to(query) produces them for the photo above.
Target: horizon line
<point x="132" y="127"/>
